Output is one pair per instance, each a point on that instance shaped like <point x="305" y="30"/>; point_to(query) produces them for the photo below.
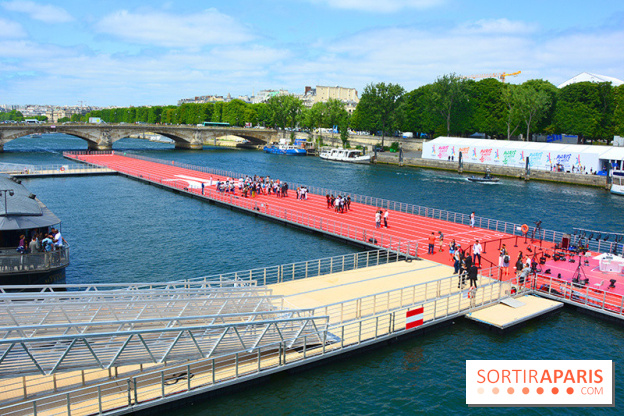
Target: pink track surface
<point x="359" y="222"/>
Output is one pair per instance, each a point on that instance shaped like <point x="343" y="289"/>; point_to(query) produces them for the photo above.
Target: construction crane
<point x="501" y="75"/>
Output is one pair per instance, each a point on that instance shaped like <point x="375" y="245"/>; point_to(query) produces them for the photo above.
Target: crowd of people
<point x="253" y="186"/>
<point x="339" y="203"/>
<point x="41" y="242"/>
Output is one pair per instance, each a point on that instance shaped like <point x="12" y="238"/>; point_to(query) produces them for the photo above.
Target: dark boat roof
<point x="22" y="210"/>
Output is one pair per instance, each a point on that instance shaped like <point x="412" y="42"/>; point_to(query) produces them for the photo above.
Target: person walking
<point x="457" y="260"/>
<point x="519" y="265"/>
<point x="476" y="251"/>
<point x="473" y="273"/>
<point x="432" y="240"/>
<point x="378" y="219"/>
<point x="440" y="241"/>
<point x="385" y="218"/>
<point x="472" y="219"/>
<point x="503" y="260"/>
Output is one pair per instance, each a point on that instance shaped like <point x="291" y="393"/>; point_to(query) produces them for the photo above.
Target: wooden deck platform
<point x="515" y="311"/>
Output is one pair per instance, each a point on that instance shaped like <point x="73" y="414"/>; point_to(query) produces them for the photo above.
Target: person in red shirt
<point x="432" y="240"/>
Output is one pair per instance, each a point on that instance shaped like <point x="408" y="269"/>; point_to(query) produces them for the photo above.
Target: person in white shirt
<point x="58" y="238"/>
<point x="476" y="251"/>
<point x="378" y="219"/>
<point x="472" y="219"/>
<point x="385" y="218"/>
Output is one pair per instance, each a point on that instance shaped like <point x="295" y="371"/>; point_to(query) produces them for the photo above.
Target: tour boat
<point x="345" y="155"/>
<point x="24" y="214"/>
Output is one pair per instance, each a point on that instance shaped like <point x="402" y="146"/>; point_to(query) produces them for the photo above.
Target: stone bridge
<point x="102" y="136"/>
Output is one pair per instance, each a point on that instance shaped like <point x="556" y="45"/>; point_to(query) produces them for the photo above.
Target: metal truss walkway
<point x="48" y="332"/>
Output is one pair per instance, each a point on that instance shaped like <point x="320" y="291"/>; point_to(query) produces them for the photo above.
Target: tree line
<point x="452" y="105"/>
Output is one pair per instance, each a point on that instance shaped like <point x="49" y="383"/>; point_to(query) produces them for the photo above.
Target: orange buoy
<point x="524" y="228"/>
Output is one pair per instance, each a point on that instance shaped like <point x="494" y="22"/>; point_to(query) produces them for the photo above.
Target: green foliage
<point x="444" y="97"/>
<point x="618" y="111"/>
<point x="12" y="115"/>
<point x="394" y="147"/>
<point x="586" y="109"/>
<point x="378" y="109"/>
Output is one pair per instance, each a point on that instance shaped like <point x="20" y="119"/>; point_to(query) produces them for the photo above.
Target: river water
<point x="121" y="230"/>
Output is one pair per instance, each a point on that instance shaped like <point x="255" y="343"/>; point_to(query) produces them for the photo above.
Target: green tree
<point x="618" y="110"/>
<point x="511" y="101"/>
<point x="534" y="105"/>
<point x="234" y="112"/>
<point x="486" y="107"/>
<point x="586" y="109"/>
<point x="378" y="108"/>
<point x="444" y="95"/>
<point x="284" y="110"/>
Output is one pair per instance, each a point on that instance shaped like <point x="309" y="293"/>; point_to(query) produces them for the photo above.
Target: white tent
<point x="543" y="156"/>
<point x="586" y="76"/>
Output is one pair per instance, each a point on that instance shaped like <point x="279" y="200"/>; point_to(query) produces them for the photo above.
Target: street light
<point x="11" y="192"/>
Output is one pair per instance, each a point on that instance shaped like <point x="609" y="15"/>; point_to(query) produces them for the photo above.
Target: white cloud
<point x="177" y="31"/>
<point x="11" y="30"/>
<point x="412" y="57"/>
<point x="43" y="12"/>
<point x="383" y="6"/>
<point x="497" y="26"/>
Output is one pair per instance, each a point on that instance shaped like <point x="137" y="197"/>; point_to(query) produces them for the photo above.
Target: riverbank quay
<point x="506" y="171"/>
<point x="115" y="349"/>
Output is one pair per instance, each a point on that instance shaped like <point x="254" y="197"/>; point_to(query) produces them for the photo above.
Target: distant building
<point x="203" y="99"/>
<point x="264" y="95"/>
<point x="322" y="94"/>
<point x="586" y="76"/>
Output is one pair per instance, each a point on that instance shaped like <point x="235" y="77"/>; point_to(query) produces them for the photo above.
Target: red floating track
<point x="358" y="224"/>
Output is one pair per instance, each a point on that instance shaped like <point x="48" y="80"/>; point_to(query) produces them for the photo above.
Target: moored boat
<point x="22" y="216"/>
<point x="345" y="155"/>
<point x="617" y="187"/>
<point x="283" y="148"/>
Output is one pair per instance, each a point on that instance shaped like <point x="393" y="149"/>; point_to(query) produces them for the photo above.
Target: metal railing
<point x="11" y="261"/>
<point x="101" y="345"/>
<point x="596" y="296"/>
<point x="309" y="268"/>
<point x="72" y="168"/>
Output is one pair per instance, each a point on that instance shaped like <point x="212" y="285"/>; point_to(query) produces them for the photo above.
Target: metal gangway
<point x="43" y="333"/>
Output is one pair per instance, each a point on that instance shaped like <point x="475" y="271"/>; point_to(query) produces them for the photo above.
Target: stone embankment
<point x="478" y="169"/>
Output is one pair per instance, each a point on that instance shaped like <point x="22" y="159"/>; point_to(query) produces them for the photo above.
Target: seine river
<point x="121" y="230"/>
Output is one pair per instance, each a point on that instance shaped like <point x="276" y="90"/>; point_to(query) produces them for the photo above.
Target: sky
<point x="123" y="53"/>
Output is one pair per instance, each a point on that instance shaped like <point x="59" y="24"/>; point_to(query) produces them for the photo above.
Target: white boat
<point x="345" y="155"/>
<point x="617" y="187"/>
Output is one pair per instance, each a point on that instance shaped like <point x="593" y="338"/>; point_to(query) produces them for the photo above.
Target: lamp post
<point x="5" y="191"/>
